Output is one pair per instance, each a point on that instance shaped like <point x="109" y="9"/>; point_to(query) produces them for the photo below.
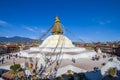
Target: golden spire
<point x="57" y="27"/>
<point x="57" y="19"/>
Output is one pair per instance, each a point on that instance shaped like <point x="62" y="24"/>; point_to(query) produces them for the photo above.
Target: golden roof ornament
<point x="57" y="29"/>
<point x="57" y="19"/>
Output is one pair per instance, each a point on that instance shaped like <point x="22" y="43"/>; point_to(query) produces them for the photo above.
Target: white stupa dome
<point x="57" y="40"/>
<point x="60" y="42"/>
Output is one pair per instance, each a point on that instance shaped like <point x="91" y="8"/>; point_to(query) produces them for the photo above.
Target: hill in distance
<point x="16" y="39"/>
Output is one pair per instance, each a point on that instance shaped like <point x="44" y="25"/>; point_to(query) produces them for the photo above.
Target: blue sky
<point x="90" y="20"/>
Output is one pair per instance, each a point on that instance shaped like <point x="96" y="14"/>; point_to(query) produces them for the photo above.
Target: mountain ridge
<point x="16" y="39"/>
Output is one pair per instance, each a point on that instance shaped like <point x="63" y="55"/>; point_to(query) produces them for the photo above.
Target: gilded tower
<point x="57" y="27"/>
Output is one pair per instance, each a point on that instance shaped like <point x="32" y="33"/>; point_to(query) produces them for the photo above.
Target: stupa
<point x="58" y="51"/>
<point x="58" y="42"/>
<point x="58" y="47"/>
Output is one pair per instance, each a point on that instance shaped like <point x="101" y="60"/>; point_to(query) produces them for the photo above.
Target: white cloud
<point x="34" y="29"/>
<point x="42" y="31"/>
<point x="29" y="29"/>
<point x="97" y="32"/>
<point x="104" y="22"/>
<point x="108" y="21"/>
<point x="7" y="36"/>
<point x="4" y="23"/>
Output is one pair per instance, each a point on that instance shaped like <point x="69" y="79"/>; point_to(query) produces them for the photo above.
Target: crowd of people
<point x="51" y="76"/>
<point x="7" y="57"/>
<point x="97" y="57"/>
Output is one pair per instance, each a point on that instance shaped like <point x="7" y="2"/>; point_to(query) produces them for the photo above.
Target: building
<point x="58" y="47"/>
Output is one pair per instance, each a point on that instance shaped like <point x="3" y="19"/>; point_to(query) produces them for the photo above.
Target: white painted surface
<point x="111" y="64"/>
<point x="64" y="70"/>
